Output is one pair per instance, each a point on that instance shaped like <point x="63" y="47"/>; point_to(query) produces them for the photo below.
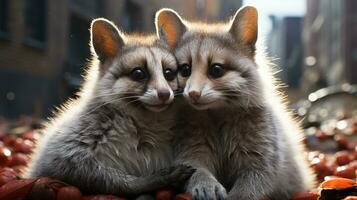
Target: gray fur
<point x="108" y="140"/>
<point x="238" y="135"/>
<point x="240" y="152"/>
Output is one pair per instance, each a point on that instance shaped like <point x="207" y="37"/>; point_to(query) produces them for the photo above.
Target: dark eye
<point x="138" y="74"/>
<point x="216" y="71"/>
<point x="169" y="74"/>
<point x="185" y="70"/>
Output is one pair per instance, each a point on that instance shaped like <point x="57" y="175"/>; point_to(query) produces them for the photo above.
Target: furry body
<point x="110" y="140"/>
<point x="247" y="154"/>
<point x="236" y="131"/>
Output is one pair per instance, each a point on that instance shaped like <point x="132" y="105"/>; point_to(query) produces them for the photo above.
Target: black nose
<point x="194" y="95"/>
<point x="163" y="94"/>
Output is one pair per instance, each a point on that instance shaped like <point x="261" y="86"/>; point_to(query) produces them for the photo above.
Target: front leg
<point x="252" y="185"/>
<point x="203" y="186"/>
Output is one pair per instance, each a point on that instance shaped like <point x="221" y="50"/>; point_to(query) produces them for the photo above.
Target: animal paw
<point x="208" y="191"/>
<point x="177" y="175"/>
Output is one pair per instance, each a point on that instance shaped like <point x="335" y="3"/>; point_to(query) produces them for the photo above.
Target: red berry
<point x="16" y="189"/>
<point x="341" y="141"/>
<point x="23" y="146"/>
<point x="2" y="136"/>
<point x="18" y="159"/>
<point x="5" y="156"/>
<point x="305" y="196"/>
<point x="101" y="197"/>
<point x="183" y="197"/>
<point x="337" y="183"/>
<point x="6" y="169"/>
<point x="18" y="169"/>
<point x="350" y="198"/>
<point x="345" y="172"/>
<point x="31" y="135"/>
<point x="6" y="175"/>
<point x="353" y="164"/>
<point x="164" y="194"/>
<point x="9" y="140"/>
<point x="322" y="170"/>
<point x="351" y="145"/>
<point x="69" y="193"/>
<point x="342" y="158"/>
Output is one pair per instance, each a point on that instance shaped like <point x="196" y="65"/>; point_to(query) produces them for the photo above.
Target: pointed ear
<point x="244" y="26"/>
<point x="106" y="39"/>
<point x="169" y="26"/>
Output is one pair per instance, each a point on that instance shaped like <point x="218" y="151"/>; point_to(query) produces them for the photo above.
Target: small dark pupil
<point x="216" y="71"/>
<point x="138" y="74"/>
<point x="169" y="75"/>
<point x="185" y="70"/>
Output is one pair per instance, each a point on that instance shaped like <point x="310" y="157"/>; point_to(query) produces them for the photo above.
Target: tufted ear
<point x="244" y="26"/>
<point x="106" y="39"/>
<point x="169" y="26"/>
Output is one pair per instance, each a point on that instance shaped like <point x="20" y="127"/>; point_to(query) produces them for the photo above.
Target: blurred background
<point x="44" y="43"/>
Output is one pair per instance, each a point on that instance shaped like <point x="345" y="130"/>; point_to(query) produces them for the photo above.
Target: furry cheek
<point x="210" y="94"/>
<point x="232" y="81"/>
<point x="128" y="88"/>
<point x="149" y="97"/>
<point x="230" y="86"/>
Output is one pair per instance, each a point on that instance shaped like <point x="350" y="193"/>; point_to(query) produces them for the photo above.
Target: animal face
<point x="135" y="71"/>
<point x="216" y="61"/>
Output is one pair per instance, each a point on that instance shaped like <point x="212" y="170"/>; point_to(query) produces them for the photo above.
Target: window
<point x="3" y="17"/>
<point x="78" y="52"/>
<point x="134" y="17"/>
<point x="35" y="22"/>
<point x="89" y="6"/>
<point x="78" y="40"/>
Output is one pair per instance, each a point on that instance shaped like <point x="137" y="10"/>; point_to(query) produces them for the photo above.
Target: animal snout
<point x="163" y="94"/>
<point x="194" y="95"/>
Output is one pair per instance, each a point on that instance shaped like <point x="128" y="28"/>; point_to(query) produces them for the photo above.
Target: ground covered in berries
<point x="332" y="154"/>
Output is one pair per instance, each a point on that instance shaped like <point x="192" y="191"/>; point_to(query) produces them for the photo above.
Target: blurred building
<point x="284" y="43"/>
<point x="330" y="45"/>
<point x="44" y="43"/>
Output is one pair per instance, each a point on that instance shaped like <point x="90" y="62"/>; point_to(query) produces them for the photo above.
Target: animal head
<point x="134" y="70"/>
<point x="216" y="61"/>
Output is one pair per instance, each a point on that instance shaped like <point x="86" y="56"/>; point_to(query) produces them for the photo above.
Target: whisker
<point x="112" y="94"/>
<point x="135" y="100"/>
<point x="109" y="102"/>
<point x="96" y="108"/>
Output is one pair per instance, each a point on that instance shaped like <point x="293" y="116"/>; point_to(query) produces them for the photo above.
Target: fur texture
<point x="115" y="138"/>
<point x="237" y="131"/>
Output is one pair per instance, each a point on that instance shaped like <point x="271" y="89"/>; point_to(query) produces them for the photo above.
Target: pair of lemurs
<point x="192" y="106"/>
